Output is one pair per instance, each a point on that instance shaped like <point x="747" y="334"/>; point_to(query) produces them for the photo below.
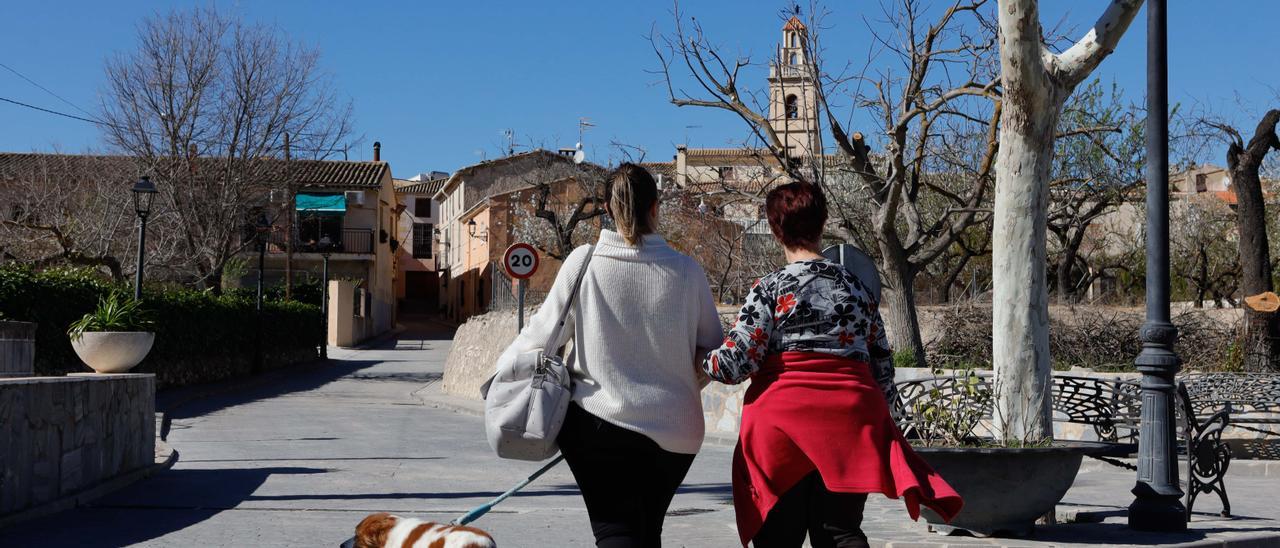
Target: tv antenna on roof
<point x="510" y="134"/>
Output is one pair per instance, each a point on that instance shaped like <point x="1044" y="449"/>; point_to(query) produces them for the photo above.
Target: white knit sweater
<point x="643" y="320"/>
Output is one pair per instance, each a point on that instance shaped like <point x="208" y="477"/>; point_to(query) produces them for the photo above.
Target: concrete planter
<point x="1004" y="489"/>
<point x="113" y="351"/>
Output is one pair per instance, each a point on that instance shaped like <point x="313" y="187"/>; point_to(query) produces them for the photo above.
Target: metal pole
<point x="262" y="252"/>
<point x="1158" y="503"/>
<point x="324" y="308"/>
<point x="142" y="248"/>
<point x="520" y="300"/>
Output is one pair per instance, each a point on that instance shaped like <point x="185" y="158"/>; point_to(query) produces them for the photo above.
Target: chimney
<point x="377" y="151"/>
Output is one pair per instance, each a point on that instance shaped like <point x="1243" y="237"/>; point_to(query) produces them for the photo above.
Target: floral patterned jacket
<point x="807" y="306"/>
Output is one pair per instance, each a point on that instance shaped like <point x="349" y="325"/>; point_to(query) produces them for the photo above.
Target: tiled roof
<point x="405" y="186"/>
<point x="793" y="24"/>
<point x="727" y="152"/>
<point x="15" y="165"/>
<point x="310" y="173"/>
<point x="334" y="173"/>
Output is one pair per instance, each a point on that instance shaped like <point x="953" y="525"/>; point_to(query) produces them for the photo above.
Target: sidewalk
<point x="299" y="460"/>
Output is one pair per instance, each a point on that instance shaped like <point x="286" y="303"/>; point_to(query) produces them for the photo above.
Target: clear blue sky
<point x="437" y="82"/>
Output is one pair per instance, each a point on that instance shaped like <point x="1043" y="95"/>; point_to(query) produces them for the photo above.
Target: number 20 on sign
<point x="520" y="261"/>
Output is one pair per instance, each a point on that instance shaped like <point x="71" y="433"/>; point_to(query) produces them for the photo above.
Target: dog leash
<point x="483" y="509"/>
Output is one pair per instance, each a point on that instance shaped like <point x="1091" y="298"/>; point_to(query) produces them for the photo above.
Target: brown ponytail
<point x="631" y="192"/>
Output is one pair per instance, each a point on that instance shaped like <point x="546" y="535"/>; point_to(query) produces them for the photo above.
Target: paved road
<point x="299" y="460"/>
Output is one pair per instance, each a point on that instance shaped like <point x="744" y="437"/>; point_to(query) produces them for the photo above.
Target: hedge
<point x="200" y="337"/>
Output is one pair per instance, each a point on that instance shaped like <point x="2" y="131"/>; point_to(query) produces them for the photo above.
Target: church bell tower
<point x="793" y="111"/>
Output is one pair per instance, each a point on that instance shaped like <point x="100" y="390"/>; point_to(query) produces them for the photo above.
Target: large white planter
<point x="113" y="351"/>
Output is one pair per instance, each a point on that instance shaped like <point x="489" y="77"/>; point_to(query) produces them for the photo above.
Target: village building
<point x="417" y="280"/>
<point x="481" y="209"/>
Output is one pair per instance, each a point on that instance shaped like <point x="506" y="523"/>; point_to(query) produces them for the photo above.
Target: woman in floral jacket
<point x="817" y="434"/>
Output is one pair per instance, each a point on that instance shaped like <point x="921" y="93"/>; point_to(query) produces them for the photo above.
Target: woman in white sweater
<point x="642" y="322"/>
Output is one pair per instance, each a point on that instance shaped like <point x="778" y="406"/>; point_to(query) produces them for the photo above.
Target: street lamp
<point x="325" y="247"/>
<point x="262" y="230"/>
<point x="1157" y="505"/>
<point x="144" y="191"/>
<point x="471" y="230"/>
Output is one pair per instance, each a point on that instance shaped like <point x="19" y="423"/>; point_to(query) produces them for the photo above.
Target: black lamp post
<point x="326" y="249"/>
<point x="144" y="191"/>
<point x="1158" y="503"/>
<point x="262" y="230"/>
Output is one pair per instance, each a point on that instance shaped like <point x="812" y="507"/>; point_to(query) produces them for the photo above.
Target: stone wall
<point x="476" y="347"/>
<point x="62" y="435"/>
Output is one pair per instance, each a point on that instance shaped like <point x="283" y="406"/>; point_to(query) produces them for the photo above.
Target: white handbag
<point x="525" y="401"/>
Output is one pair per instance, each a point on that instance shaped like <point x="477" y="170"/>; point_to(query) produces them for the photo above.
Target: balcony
<point x="350" y="240"/>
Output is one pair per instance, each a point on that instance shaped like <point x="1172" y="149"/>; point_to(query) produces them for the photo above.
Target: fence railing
<point x="504" y="295"/>
<point x="352" y="240"/>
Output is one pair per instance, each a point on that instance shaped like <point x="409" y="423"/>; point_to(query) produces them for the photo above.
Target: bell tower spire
<point x="793" y="109"/>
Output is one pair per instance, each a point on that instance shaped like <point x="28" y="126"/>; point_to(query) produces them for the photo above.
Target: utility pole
<point x="288" y="225"/>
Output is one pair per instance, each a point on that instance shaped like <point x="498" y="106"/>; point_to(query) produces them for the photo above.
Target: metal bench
<point x="1112" y="407"/>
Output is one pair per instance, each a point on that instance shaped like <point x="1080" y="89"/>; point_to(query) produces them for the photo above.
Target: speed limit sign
<point x="521" y="261"/>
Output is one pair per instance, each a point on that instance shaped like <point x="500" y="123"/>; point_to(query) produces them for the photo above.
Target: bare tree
<point x="203" y="104"/>
<point x="1098" y="165"/>
<point x="74" y="210"/>
<point x="1037" y="83"/>
<point x="934" y="98"/>
<point x="1204" y="248"/>
<point x="1244" y="163"/>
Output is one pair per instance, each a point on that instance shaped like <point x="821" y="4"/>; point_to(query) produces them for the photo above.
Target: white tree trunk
<point x="1020" y="309"/>
<point x="1036" y="83"/>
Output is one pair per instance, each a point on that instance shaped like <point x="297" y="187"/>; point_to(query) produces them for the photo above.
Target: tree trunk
<point x="1020" y="321"/>
<point x="898" y="305"/>
<point x="1263" y="330"/>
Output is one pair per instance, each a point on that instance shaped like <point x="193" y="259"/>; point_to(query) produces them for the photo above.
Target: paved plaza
<point x="298" y="457"/>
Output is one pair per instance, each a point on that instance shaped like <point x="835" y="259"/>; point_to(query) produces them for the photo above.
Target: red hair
<point x="797" y="212"/>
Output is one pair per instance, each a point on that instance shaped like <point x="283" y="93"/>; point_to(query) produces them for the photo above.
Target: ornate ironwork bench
<point x="1112" y="407"/>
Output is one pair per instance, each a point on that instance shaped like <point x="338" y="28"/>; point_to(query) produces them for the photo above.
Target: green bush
<point x="199" y="337"/>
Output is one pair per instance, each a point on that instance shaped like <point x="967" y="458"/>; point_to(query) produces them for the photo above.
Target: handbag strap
<point x="568" y="304"/>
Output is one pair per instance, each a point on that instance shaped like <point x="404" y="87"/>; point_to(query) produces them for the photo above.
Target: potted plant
<point x="115" y="336"/>
<point x="1006" y="484"/>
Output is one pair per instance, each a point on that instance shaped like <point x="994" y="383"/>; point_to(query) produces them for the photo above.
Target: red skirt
<point x="807" y="411"/>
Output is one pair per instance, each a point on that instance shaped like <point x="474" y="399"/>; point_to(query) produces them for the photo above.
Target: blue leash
<point x="483" y="509"/>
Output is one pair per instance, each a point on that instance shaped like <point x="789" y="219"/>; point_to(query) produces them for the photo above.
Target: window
<point x="1202" y="182"/>
<point x="795" y="59"/>
<point x="726" y="173"/>
<point x="795" y="40"/>
<point x="422" y="207"/>
<point x="422" y="240"/>
<point x="792" y="108"/>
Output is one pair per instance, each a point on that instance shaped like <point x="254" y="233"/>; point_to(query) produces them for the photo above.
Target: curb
<point x="1248" y="468"/>
<point x="165" y="457"/>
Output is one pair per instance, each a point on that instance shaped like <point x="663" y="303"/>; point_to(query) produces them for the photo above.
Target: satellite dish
<point x="857" y="263"/>
<point x="578" y="155"/>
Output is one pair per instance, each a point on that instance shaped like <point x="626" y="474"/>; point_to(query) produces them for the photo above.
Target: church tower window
<point x="792" y="107"/>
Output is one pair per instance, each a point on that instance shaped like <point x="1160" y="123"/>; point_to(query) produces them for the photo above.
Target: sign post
<point x="520" y="262"/>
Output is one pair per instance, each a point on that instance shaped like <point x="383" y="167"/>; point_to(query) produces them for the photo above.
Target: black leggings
<point x="830" y="519"/>
<point x="626" y="479"/>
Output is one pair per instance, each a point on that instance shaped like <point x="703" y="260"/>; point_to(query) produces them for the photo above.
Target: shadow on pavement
<point x="169" y="502"/>
<point x="269" y="385"/>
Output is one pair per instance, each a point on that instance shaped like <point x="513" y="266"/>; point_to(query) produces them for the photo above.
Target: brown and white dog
<point x="383" y="530"/>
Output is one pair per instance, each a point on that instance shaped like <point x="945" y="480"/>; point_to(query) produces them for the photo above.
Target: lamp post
<point x="261" y="229"/>
<point x="144" y="191"/>
<point x="326" y="249"/>
<point x="1157" y="505"/>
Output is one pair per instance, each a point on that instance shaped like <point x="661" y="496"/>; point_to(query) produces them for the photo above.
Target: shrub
<point x="1094" y="337"/>
<point x="200" y="337"/>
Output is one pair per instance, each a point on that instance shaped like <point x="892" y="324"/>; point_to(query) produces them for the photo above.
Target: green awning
<point x="322" y="203"/>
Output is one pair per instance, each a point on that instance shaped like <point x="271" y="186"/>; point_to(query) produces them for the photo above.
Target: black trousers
<point x="626" y="479"/>
<point x="832" y="520"/>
